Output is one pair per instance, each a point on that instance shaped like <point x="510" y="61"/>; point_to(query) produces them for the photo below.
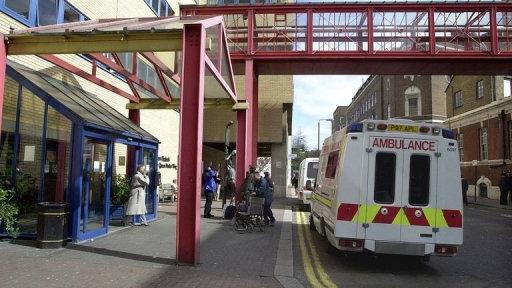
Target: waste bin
<point x="52" y="224"/>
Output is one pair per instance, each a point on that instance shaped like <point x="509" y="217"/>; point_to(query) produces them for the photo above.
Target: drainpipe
<point x="504" y="135"/>
<point x="493" y="89"/>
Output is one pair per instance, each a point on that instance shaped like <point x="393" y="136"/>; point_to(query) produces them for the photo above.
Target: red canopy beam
<point x="151" y="57"/>
<point x="79" y="72"/>
<point x="129" y="76"/>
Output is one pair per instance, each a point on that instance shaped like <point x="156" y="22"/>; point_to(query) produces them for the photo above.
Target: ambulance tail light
<point x="446" y="250"/>
<point x="424" y="129"/>
<point x="447" y="133"/>
<point x="382" y="126"/>
<point x="355" y="127"/>
<point x="353" y="244"/>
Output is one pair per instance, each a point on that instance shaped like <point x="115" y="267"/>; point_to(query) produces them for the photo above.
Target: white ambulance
<point x="308" y="170"/>
<point x="391" y="187"/>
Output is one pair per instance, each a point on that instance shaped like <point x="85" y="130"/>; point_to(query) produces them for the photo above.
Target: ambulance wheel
<point x="311" y="223"/>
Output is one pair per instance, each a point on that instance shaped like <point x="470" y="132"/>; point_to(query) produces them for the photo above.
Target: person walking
<point x="504" y="187"/>
<point x="263" y="190"/>
<point x="295" y="182"/>
<point x="137" y="202"/>
<point x="465" y="187"/>
<point x="210" y="186"/>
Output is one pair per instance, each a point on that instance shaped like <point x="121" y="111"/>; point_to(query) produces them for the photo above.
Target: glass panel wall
<point x="28" y="168"/>
<point x="58" y="153"/>
<point x="8" y="132"/>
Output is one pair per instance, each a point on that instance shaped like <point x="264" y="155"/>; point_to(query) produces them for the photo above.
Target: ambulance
<point x="308" y="170"/>
<point x="391" y="187"/>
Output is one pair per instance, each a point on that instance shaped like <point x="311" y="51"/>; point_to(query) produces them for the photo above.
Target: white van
<point x="308" y="170"/>
<point x="391" y="187"/>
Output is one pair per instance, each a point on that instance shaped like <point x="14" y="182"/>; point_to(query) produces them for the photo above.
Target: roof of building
<point x="83" y="105"/>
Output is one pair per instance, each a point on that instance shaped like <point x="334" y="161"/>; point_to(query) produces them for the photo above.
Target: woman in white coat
<point x="137" y="201"/>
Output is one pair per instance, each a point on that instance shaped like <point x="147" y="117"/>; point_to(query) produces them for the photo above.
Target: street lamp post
<point x="475" y="164"/>
<point x="318" y="131"/>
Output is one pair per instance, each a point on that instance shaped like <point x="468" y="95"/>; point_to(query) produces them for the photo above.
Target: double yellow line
<point x="313" y="268"/>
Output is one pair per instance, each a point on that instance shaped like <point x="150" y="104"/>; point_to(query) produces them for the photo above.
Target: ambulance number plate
<point x="403" y="128"/>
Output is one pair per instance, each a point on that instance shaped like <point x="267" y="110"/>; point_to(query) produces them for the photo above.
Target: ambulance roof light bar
<point x="448" y="133"/>
<point x="355" y="127"/>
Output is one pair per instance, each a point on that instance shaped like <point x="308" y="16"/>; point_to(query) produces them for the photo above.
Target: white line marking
<point x="506" y="215"/>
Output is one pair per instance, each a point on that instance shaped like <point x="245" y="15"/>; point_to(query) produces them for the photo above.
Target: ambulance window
<point x="385" y="165"/>
<point x="419" y="180"/>
<point x="332" y="163"/>
<point x="312" y="169"/>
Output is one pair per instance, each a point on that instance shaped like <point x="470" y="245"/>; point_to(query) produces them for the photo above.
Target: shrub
<point x="8" y="212"/>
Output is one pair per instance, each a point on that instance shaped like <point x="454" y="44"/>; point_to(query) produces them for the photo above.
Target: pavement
<point x="286" y="255"/>
<point x="488" y="202"/>
<point x="145" y="257"/>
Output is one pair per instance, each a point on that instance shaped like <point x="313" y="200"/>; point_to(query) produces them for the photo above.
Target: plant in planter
<point x="120" y="196"/>
<point x="8" y="212"/>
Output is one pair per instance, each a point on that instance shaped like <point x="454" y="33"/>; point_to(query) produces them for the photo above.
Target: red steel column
<point x="3" y="64"/>
<point x="134" y="116"/>
<point x="241" y="167"/>
<point x="249" y="96"/>
<point x="191" y="145"/>
<point x="255" y="119"/>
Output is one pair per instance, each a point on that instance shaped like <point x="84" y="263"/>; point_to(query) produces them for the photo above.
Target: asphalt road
<point x="485" y="259"/>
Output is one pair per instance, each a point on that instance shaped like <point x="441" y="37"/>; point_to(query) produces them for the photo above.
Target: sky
<point x="316" y="97"/>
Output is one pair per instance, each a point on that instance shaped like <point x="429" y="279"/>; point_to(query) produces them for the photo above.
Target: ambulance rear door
<point x="384" y="185"/>
<point x="419" y="193"/>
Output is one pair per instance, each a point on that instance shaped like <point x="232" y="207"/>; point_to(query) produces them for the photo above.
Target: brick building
<point x="417" y="97"/>
<point x="340" y="118"/>
<point x="479" y="110"/>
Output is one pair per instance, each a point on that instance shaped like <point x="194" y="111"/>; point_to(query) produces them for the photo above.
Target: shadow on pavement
<point x="121" y="254"/>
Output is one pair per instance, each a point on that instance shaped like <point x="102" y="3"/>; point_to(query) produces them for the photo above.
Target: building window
<point x="507" y="88"/>
<point x="461" y="146"/>
<point x="479" y="89"/>
<point x="41" y="12"/>
<point x="160" y="7"/>
<point x="412" y="101"/>
<point x="484" y="152"/>
<point x="389" y="111"/>
<point x="388" y="84"/>
<point x="374" y="98"/>
<point x="458" y="99"/>
<point x="71" y="14"/>
<point x="412" y="104"/>
<point x="47" y="12"/>
<point x="19" y="9"/>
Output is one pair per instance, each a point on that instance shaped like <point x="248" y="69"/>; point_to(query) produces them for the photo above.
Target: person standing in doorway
<point x="465" y="187"/>
<point x="210" y="186"/>
<point x="137" y="201"/>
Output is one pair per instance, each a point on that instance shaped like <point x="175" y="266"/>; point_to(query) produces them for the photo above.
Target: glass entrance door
<point x="149" y="160"/>
<point x="96" y="167"/>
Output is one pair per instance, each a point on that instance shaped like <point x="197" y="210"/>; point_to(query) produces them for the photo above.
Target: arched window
<point x="412" y="101"/>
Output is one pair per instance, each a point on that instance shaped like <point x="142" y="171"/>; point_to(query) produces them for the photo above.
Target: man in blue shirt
<point x="210" y="186"/>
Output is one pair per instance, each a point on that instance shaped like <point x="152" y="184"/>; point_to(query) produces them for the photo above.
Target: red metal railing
<point x="360" y="30"/>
